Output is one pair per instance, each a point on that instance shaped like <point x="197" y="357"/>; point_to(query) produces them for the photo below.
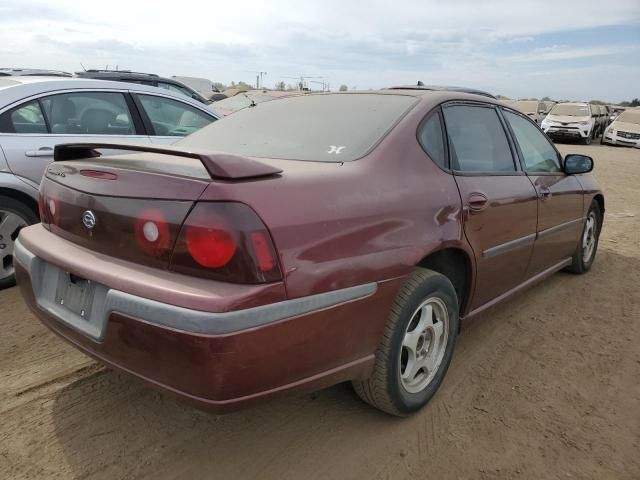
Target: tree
<point x="220" y="86"/>
<point x="546" y="99"/>
<point x="343" y="88"/>
<point x="280" y="85"/>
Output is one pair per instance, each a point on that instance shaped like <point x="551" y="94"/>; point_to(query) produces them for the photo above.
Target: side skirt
<point x="524" y="285"/>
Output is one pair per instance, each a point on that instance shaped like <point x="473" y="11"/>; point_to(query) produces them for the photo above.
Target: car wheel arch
<point x="455" y="264"/>
<point x="20" y="197"/>
<point x="600" y="199"/>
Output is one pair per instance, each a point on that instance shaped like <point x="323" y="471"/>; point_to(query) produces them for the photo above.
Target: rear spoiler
<point x="219" y="165"/>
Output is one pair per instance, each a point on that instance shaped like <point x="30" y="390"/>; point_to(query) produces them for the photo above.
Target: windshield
<point x="571" y="109"/>
<point x="629" y="116"/>
<point x="328" y="127"/>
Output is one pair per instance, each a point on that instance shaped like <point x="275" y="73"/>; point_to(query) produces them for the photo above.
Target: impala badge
<point x="89" y="219"/>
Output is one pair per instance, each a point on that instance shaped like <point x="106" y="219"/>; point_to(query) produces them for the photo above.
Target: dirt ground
<point x="546" y="386"/>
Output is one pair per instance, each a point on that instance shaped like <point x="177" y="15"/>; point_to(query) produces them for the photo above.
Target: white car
<point x="625" y="129"/>
<point x="571" y="121"/>
<point x="37" y="113"/>
<point x="534" y="109"/>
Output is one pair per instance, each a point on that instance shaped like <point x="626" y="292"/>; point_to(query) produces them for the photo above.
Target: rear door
<point x="168" y="119"/>
<point x="30" y="131"/>
<point x="500" y="203"/>
<point x="560" y="196"/>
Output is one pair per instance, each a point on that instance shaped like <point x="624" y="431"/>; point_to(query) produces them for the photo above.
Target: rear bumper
<point x="218" y="360"/>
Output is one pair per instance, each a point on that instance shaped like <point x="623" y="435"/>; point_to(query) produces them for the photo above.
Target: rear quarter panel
<point x="337" y="225"/>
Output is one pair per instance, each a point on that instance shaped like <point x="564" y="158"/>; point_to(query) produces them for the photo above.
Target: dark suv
<point x="144" y="78"/>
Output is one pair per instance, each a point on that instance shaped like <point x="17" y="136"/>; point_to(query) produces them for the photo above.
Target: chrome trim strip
<point x="508" y="246"/>
<point x="558" y="228"/>
<point x="107" y="300"/>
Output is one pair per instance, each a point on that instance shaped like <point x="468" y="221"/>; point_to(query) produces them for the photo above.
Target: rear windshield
<point x="629" y="116"/>
<point x="572" y="110"/>
<point x="240" y="101"/>
<point x="329" y="128"/>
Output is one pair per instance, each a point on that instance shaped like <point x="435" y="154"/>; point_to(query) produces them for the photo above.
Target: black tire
<point x="587" y="139"/>
<point x="384" y="389"/>
<point x="8" y="204"/>
<point x="581" y="264"/>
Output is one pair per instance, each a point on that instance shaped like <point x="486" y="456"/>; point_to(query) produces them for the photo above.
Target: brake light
<point x="152" y="232"/>
<point x="225" y="241"/>
<point x="210" y="241"/>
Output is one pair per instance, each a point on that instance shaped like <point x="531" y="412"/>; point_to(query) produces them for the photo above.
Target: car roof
<point x="9" y="72"/>
<point x="443" y="88"/>
<point x="13" y="89"/>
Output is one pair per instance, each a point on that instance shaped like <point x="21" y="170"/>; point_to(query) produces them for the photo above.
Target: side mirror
<point x="575" y="164"/>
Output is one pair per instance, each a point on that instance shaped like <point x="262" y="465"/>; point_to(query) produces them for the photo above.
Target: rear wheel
<point x="588" y="245"/>
<point x="13" y="217"/>
<point x="416" y="347"/>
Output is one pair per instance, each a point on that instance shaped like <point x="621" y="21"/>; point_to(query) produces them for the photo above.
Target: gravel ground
<point x="544" y="386"/>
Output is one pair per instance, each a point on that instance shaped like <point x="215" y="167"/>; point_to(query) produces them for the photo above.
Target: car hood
<point x="626" y="127"/>
<point x="566" y="119"/>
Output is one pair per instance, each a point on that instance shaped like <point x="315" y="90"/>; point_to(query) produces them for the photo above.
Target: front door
<point x="499" y="201"/>
<point x="560" y="207"/>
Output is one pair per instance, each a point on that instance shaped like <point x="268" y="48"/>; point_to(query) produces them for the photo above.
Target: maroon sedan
<point x="305" y="242"/>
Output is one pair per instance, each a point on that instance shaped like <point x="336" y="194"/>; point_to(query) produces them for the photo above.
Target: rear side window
<point x="88" y="113"/>
<point x="27" y="118"/>
<point x="432" y="139"/>
<point x="537" y="152"/>
<point x="173" y="118"/>
<point x="325" y="127"/>
<point x="477" y="141"/>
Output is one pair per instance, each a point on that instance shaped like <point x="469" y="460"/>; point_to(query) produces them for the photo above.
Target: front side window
<point x="477" y="141"/>
<point x="537" y="152"/>
<point x="432" y="139"/>
<point x="173" y="118"/>
<point x="88" y="113"/>
<point x="27" y="118"/>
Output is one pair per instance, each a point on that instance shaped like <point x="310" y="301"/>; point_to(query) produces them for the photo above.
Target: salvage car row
<point x="241" y="262"/>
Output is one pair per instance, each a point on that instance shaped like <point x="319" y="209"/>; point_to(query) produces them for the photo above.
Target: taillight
<point x="41" y="210"/>
<point x="226" y="241"/>
<point x="152" y="232"/>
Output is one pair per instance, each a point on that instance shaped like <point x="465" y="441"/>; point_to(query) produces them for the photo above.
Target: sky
<point x="564" y="49"/>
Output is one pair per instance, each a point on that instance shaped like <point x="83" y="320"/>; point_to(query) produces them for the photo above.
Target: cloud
<point x="484" y="44"/>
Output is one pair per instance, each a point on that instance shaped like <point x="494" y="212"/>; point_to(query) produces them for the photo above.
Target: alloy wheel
<point x="589" y="238"/>
<point x="424" y="345"/>
<point x="10" y="225"/>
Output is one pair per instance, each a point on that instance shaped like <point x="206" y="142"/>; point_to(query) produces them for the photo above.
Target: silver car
<point x="37" y="113"/>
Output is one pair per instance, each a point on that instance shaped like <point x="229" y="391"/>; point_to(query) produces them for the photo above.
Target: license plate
<point x="75" y="294"/>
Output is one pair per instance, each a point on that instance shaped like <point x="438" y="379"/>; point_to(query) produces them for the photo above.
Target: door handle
<point x="477" y="201"/>
<point x="41" y="152"/>
<point x="544" y="192"/>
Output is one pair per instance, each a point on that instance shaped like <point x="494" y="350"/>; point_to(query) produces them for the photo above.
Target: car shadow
<point x="112" y="426"/>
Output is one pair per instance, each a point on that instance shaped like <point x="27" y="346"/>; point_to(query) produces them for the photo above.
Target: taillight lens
<point x="41" y="210"/>
<point x="226" y="241"/>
